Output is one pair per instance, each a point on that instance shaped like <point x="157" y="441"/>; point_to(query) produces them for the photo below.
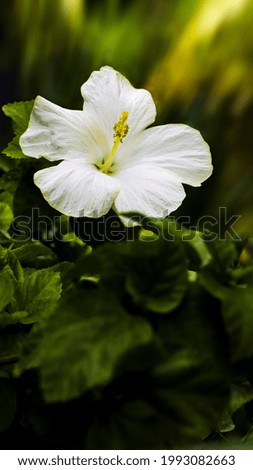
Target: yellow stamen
<point x="120" y="131"/>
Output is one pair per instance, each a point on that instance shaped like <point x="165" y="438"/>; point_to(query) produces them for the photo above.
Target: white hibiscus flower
<point x="109" y="157"/>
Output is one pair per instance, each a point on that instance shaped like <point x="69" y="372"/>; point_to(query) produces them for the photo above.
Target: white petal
<point x="177" y="148"/>
<point x="149" y="191"/>
<point x="107" y="94"/>
<point x="77" y="189"/>
<point x="61" y="134"/>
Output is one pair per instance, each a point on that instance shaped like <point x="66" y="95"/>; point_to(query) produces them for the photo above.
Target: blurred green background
<point x="195" y="56"/>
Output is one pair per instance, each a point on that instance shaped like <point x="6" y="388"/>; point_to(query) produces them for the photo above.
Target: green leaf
<point x="89" y="336"/>
<point x="196" y="248"/>
<point x="237" y="311"/>
<point x="38" y="294"/>
<point x="192" y="383"/>
<point x="7" y="319"/>
<point x="19" y="112"/>
<point x="3" y="252"/>
<point x="7" y="198"/>
<point x="6" y="289"/>
<point x="6" y="217"/>
<point x="224" y="279"/>
<point x="193" y="241"/>
<point x="11" y="346"/>
<point x="182" y="398"/>
<point x="158" y="276"/>
<point x="10" y="179"/>
<point x="7" y="403"/>
<point x="225" y="266"/>
<point x="213" y="285"/>
<point x="134" y="425"/>
<point x="35" y="254"/>
<point x="240" y="395"/>
<point x="34" y="293"/>
<point x="9" y="261"/>
<point x="153" y="273"/>
<point x="248" y="440"/>
<point x="13" y="149"/>
<point x="226" y="423"/>
<point x="14" y="264"/>
<point x="225" y="254"/>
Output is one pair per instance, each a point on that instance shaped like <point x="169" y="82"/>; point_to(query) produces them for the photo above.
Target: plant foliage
<point x="140" y="343"/>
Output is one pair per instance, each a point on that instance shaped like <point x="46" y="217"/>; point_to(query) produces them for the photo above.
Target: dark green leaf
<point x="10" y="179"/>
<point x="237" y="310"/>
<point x="35" y="254"/>
<point x="225" y="254"/>
<point x="225" y="266"/>
<point x="6" y="217"/>
<point x="247" y="441"/>
<point x="6" y="288"/>
<point x="11" y="346"/>
<point x="192" y="384"/>
<point x="86" y="339"/>
<point x="182" y="398"/>
<point x="240" y="395"/>
<point x="154" y="273"/>
<point x="226" y="423"/>
<point x="158" y="277"/>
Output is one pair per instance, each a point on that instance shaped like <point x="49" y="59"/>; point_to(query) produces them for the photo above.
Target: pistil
<point x="120" y="131"/>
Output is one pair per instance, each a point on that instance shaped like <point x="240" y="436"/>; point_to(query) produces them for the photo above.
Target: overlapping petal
<point x="107" y="94"/>
<point x="177" y="148"/>
<point x="148" y="190"/>
<point x="77" y="189"/>
<point x="57" y="133"/>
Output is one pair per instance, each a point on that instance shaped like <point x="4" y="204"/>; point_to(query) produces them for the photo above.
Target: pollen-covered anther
<point x="120" y="131"/>
<point x="121" y="128"/>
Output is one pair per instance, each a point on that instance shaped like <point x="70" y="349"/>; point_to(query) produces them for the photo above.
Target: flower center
<point x="120" y="131"/>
